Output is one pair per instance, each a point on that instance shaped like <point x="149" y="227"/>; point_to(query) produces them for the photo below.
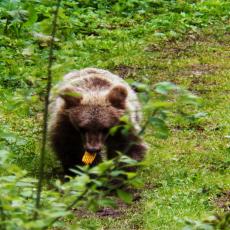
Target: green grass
<point x="183" y="174"/>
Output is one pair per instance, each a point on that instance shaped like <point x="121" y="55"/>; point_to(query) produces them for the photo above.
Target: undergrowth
<point x="184" y="42"/>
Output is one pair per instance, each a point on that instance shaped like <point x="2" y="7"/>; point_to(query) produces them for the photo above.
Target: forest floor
<point x="187" y="175"/>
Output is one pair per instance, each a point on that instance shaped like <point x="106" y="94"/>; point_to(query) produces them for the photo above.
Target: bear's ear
<point x="117" y="96"/>
<point x="71" y="97"/>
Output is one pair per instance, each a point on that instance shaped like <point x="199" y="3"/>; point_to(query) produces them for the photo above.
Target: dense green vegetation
<point x="185" y="42"/>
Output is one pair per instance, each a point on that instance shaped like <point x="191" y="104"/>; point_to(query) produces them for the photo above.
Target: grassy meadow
<point x="186" y="176"/>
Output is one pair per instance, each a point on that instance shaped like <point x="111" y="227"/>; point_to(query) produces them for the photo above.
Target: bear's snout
<point x="93" y="149"/>
<point x="93" y="142"/>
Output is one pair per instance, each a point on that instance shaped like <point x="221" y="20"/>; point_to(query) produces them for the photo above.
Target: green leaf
<point x="125" y="196"/>
<point x="114" y="129"/>
<point x="131" y="175"/>
<point x="107" y="202"/>
<point x="136" y="182"/>
<point x="128" y="160"/>
<point x="3" y="154"/>
<point x="102" y="167"/>
<point x="32" y="17"/>
<point x="160" y="127"/>
<point x="165" y="87"/>
<point x="117" y="173"/>
<point x="140" y="87"/>
<point x="199" y="115"/>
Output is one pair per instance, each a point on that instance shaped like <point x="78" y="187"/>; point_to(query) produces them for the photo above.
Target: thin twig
<point x="45" y="116"/>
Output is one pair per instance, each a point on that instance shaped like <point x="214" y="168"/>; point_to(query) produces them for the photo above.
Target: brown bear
<point x="84" y="107"/>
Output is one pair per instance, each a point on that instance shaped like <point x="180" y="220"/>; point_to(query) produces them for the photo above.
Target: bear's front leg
<point x="130" y="145"/>
<point x="66" y="142"/>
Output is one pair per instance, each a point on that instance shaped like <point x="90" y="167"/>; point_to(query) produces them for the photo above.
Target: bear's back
<point x="93" y="79"/>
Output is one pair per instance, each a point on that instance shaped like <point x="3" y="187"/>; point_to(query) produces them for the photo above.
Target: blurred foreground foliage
<point x="91" y="188"/>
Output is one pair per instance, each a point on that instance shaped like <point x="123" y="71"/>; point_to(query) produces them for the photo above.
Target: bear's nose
<point x="93" y="149"/>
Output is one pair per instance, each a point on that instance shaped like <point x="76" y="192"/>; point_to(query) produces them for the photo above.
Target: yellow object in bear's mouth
<point x="88" y="158"/>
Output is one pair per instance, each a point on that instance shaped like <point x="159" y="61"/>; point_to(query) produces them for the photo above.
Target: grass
<point x="185" y="173"/>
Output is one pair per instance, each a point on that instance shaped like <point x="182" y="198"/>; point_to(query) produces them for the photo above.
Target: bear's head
<point x="94" y="115"/>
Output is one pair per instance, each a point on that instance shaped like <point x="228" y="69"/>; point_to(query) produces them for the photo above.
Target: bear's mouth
<point x="88" y="158"/>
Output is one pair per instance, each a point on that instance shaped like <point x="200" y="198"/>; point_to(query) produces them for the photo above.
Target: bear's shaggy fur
<point x="87" y="103"/>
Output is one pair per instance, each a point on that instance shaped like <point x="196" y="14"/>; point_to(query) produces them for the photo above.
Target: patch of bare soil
<point x="177" y="50"/>
<point x="197" y="71"/>
<point x="170" y="50"/>
<point x="201" y="69"/>
<point x="114" y="212"/>
<point x="153" y="48"/>
<point x="124" y="70"/>
<point x="223" y="200"/>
